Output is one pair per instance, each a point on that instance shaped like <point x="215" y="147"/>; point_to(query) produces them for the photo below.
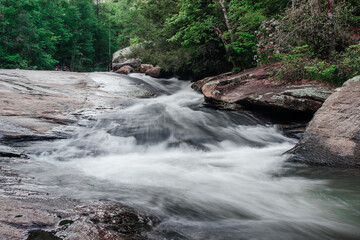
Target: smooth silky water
<point x="207" y="174"/>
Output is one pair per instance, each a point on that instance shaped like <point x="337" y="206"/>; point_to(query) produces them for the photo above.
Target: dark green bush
<point x="349" y="63"/>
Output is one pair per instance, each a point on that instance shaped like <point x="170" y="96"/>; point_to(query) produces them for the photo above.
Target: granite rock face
<point x="119" y="55"/>
<point x="47" y="105"/>
<point x="254" y="88"/>
<point x="333" y="136"/>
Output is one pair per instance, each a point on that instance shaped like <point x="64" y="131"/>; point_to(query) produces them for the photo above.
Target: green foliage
<point x="309" y="45"/>
<point x="309" y="24"/>
<point x="26" y="36"/>
<point x="349" y="63"/>
<point x="268" y="48"/>
<point x="41" y="34"/>
<point x="322" y="70"/>
<point x="197" y="38"/>
<point x="295" y="63"/>
<point x="301" y="64"/>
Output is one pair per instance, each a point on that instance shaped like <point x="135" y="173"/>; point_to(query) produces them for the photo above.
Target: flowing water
<point x="208" y="174"/>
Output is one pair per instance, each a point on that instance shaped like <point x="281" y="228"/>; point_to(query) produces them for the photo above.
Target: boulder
<point x="154" y="72"/>
<point x="121" y="54"/>
<point x="134" y="63"/>
<point x="333" y="136"/>
<point x="145" y="67"/>
<point x="254" y="89"/>
<point x="125" y="70"/>
<point x="120" y="59"/>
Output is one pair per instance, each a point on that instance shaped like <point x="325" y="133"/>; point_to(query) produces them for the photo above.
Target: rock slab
<point x="255" y="88"/>
<point x="333" y="136"/>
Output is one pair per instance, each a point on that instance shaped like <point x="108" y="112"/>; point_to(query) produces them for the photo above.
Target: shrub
<point x="349" y="64"/>
<point x="294" y="64"/>
<point x="322" y="70"/>
<point x="268" y="48"/>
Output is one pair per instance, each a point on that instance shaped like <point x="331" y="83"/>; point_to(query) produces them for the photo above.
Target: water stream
<point x="208" y="174"/>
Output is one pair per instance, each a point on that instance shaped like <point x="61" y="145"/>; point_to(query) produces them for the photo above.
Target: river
<point x="208" y="174"/>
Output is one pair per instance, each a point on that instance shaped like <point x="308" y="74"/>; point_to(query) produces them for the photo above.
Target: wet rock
<point x="40" y="105"/>
<point x="125" y="70"/>
<point x="154" y="72"/>
<point x="254" y="89"/>
<point x="6" y="151"/>
<point x="13" y="227"/>
<point x="333" y="136"/>
<point x="39" y="235"/>
<point x="25" y="214"/>
<point x="124" y="220"/>
<point x="66" y="222"/>
<point x="134" y="63"/>
<point x="145" y="67"/>
<point x="47" y="105"/>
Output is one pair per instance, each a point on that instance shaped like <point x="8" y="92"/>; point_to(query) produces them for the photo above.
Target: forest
<point x="309" y="39"/>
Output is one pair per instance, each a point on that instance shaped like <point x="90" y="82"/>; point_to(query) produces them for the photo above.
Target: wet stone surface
<point x="40" y="106"/>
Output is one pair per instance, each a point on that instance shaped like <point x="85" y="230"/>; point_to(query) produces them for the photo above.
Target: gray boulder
<point x="333" y="136"/>
<point x="120" y="59"/>
<point x="119" y="55"/>
<point x="134" y="63"/>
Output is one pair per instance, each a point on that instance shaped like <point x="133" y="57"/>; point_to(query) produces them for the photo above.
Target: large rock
<point x="119" y="55"/>
<point x="145" y="67"/>
<point x="125" y="70"/>
<point x="134" y="63"/>
<point x="120" y="59"/>
<point x="333" y="136"/>
<point x="254" y="88"/>
<point x="46" y="105"/>
<point x="154" y="72"/>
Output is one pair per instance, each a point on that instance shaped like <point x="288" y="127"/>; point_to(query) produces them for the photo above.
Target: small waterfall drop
<point x="209" y="174"/>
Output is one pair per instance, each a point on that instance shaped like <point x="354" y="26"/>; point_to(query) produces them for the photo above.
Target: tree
<point x="332" y="38"/>
<point x="39" y="34"/>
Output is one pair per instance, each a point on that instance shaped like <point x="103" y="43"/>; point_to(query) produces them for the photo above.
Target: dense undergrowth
<point x="312" y="39"/>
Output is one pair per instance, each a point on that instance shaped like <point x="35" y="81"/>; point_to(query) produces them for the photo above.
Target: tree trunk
<point x="226" y="17"/>
<point x="97" y="8"/>
<point x="221" y="36"/>
<point x="293" y="4"/>
<point x="331" y="22"/>
<point x="315" y="7"/>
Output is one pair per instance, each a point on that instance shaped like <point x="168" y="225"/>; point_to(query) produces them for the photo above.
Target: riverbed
<point x="206" y="173"/>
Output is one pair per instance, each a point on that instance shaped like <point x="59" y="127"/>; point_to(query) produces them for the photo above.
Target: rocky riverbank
<point x="122" y="64"/>
<point x="32" y="215"/>
<point x="332" y="138"/>
<point x="43" y="106"/>
<point x="255" y="89"/>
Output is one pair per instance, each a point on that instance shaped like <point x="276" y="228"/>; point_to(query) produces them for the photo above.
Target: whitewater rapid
<point x="209" y="174"/>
